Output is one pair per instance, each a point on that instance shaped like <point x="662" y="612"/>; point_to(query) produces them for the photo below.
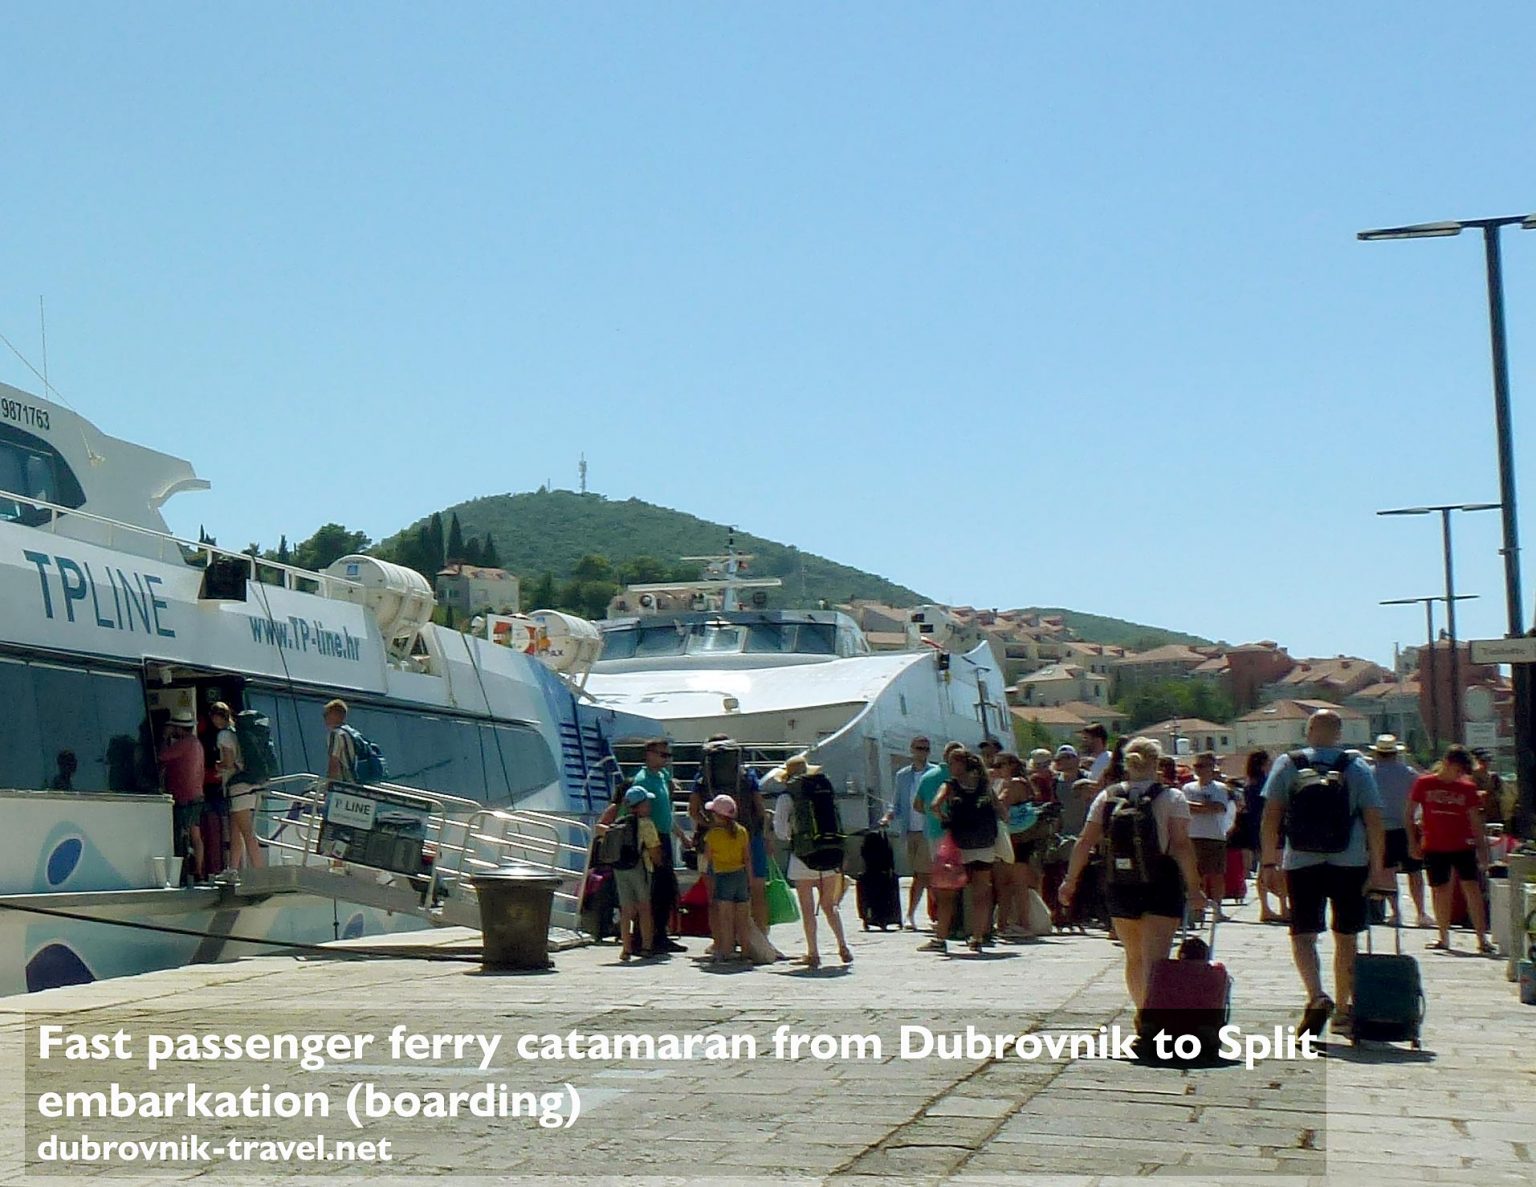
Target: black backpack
<point x="972" y="818"/>
<point x="621" y="844"/>
<point x="1130" y="834"/>
<point x="720" y="772"/>
<point x="1318" y="815"/>
<point x="817" y="839"/>
<point x="258" y="756"/>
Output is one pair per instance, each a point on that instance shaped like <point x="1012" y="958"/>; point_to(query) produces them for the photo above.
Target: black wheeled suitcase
<point x="1389" y="994"/>
<point x="877" y="891"/>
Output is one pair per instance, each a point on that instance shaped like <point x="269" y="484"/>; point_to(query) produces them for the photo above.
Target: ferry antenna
<point x="42" y="321"/>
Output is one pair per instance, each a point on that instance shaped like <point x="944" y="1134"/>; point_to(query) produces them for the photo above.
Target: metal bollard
<point x="515" y="906"/>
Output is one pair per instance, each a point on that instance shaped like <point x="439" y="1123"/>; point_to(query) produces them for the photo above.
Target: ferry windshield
<point x="648" y="641"/>
<point x="32" y="468"/>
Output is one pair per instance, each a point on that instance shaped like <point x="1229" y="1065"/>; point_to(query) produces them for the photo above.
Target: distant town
<point x="1227" y="699"/>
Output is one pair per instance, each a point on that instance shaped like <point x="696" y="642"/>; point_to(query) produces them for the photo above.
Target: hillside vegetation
<point x="573" y="551"/>
<point x="550" y="531"/>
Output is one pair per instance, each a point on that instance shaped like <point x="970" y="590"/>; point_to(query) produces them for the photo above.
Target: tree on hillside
<point x="284" y="554"/>
<point x="330" y="543"/>
<point x="437" y="544"/>
<point x="1163" y="699"/>
<point x="454" y="549"/>
<point x="591" y="587"/>
<point x="488" y="555"/>
<point x="542" y="594"/>
<point x="471" y="554"/>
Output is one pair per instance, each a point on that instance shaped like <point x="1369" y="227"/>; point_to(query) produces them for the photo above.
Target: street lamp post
<point x="1450" y="598"/>
<point x="1429" y="661"/>
<point x="1525" y="725"/>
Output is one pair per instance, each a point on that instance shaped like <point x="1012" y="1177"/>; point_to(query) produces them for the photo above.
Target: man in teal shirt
<point x="656" y="778"/>
<point x="927" y="790"/>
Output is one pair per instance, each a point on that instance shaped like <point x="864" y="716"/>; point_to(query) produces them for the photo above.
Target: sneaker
<point x="1315" y="1016"/>
<point x="934" y="945"/>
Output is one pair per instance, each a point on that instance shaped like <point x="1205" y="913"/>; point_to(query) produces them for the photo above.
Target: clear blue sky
<point x="1012" y="303"/>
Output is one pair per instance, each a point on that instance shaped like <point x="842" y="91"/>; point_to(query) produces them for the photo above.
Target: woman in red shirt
<point x="1445" y="829"/>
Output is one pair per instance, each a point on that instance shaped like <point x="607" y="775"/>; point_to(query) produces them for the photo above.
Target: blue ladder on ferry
<point x="585" y="754"/>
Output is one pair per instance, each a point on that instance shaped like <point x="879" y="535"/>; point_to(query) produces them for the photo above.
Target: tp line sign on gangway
<point x="1521" y="650"/>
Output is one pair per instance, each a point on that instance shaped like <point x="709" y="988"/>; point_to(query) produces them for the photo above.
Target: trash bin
<point x="515" y="905"/>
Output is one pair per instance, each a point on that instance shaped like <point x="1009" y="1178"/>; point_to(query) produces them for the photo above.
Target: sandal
<point x="1484" y="948"/>
<point x="844" y="955"/>
<point x="1316" y="1016"/>
<point x="811" y="961"/>
<point x="1438" y="946"/>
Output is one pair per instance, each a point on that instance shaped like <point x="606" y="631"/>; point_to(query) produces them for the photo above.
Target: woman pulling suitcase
<point x="1150" y="869"/>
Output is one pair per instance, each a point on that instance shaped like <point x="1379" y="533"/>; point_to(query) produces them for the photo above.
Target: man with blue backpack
<point x="1323" y="803"/>
<point x="350" y="757"/>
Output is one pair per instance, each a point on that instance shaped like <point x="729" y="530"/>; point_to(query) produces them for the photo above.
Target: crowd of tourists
<point x="1005" y="848"/>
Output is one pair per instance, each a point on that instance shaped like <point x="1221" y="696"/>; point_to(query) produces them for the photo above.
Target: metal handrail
<point x="292" y="574"/>
<point x="464" y="836"/>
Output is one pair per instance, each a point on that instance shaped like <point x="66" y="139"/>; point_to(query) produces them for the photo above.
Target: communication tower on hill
<point x="583" y="469"/>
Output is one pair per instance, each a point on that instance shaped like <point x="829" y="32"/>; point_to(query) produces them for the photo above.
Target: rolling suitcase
<point x="1389" y="994"/>
<point x="876" y="890"/>
<point x="1189" y="995"/>
<point x="1237" y="875"/>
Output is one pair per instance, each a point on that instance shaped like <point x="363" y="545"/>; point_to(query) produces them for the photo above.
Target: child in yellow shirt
<point x="726" y="844"/>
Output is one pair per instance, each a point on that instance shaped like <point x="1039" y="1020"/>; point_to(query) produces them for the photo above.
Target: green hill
<point x="549" y="531"/>
<point x="1099" y="628"/>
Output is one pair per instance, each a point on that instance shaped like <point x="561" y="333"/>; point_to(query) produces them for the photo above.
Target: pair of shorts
<point x="1162" y="895"/>
<point x="979" y="859"/>
<point x="1438" y="867"/>
<point x="919" y="853"/>
<point x="1312" y="888"/>
<point x="243" y="797"/>
<point x="1210" y="856"/>
<point x="633" y="885"/>
<point x="1397" y="855"/>
<point x="732" y="887"/>
<point x="757" y="851"/>
<point x="185" y="817"/>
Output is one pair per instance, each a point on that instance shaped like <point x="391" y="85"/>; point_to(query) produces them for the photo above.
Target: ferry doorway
<point x="174" y="690"/>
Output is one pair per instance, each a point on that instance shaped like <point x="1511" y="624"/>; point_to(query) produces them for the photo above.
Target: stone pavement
<point x="1461" y="1110"/>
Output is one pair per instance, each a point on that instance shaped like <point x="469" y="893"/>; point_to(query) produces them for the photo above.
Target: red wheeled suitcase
<point x="1237" y="875"/>
<point x="1190" y="995"/>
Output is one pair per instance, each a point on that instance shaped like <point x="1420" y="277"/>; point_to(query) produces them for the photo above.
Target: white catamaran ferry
<point x="780" y="681"/>
<point x="110" y="625"/>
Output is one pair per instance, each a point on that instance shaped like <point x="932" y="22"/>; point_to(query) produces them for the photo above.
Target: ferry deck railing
<point x="174" y="547"/>
<point x="463" y="837"/>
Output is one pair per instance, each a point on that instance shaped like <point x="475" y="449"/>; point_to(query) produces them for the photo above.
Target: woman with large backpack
<point x="1150" y="867"/>
<point x="805" y="815"/>
<point x="971" y="814"/>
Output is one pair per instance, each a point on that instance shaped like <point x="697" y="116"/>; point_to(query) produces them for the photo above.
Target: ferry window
<point x="120" y="708"/>
<point x="29" y="466"/>
<point x="764" y="638"/>
<point x="716" y="640"/>
<point x="816" y="638"/>
<point x="20" y="765"/>
<point x="67" y="720"/>
<point x="662" y="640"/>
<point x="620" y="644"/>
<point x="529" y="764"/>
